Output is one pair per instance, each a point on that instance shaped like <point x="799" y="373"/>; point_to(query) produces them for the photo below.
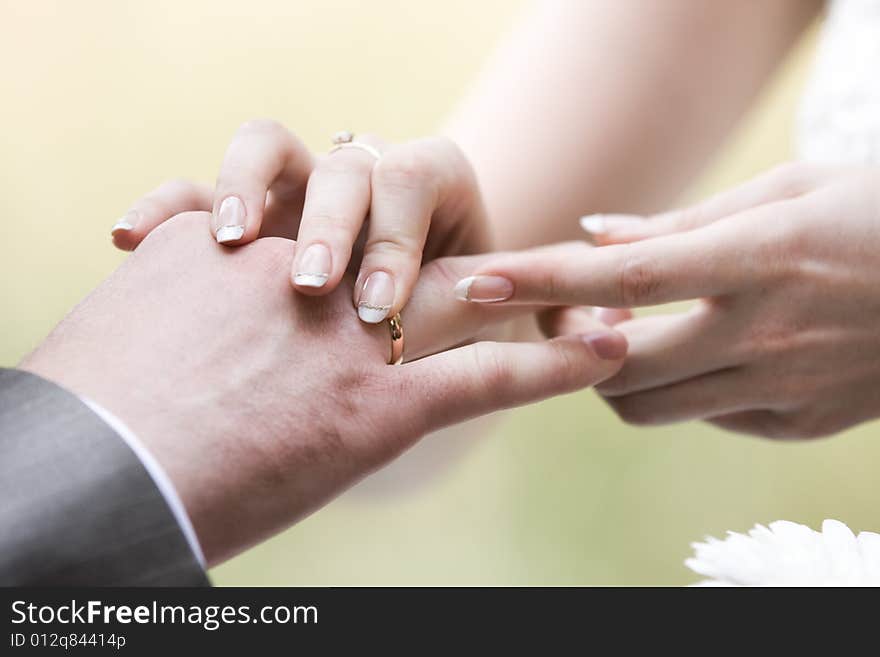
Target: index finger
<point x="710" y="261"/>
<point x="262" y="155"/>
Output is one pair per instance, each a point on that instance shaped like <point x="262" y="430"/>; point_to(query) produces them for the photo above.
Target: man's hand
<point x="262" y="403"/>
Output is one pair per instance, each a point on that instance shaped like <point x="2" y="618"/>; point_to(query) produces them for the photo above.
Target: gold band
<point x="396" y="340"/>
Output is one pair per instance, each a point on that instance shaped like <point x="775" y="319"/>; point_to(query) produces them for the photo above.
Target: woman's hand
<point x="784" y="341"/>
<point x="421" y="198"/>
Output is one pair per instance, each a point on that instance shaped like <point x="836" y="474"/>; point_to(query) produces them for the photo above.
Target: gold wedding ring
<point x="345" y="139"/>
<point x="396" y="340"/>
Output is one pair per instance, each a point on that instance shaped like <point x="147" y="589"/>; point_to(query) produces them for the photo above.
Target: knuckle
<point x="452" y="171"/>
<point x="152" y="206"/>
<point x="462" y="179"/>
<point x="549" y="284"/>
<point x="571" y="372"/>
<point x="442" y="142"/>
<point x="395" y="242"/>
<point x="772" y="343"/>
<point x="450" y="151"/>
<point x="235" y="175"/>
<point x="552" y="282"/>
<point x="495" y="371"/>
<point x="405" y="168"/>
<point x="792" y="178"/>
<point x="778" y="271"/>
<point x="331" y="227"/>
<point x="638" y="278"/>
<point x="261" y="126"/>
<point x="781" y="250"/>
<point x="174" y="188"/>
<point x="261" y="146"/>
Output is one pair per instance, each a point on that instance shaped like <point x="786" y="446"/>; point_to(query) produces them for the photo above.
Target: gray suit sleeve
<point x="77" y="506"/>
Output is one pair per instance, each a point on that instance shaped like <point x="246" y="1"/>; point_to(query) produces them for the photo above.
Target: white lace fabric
<point x="839" y="121"/>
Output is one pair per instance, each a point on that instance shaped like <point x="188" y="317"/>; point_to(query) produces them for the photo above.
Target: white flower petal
<point x="842" y="552"/>
<point x="869" y="550"/>
<point x="789" y="554"/>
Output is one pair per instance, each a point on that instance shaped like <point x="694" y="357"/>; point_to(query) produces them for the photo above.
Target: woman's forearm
<point x="595" y="106"/>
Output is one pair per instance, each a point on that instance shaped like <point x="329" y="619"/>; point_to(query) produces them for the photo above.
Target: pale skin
<point x="783" y="339"/>
<point x="613" y="105"/>
<point x="558" y="127"/>
<point x="261" y="404"/>
<point x="555" y="128"/>
<point x="421" y="197"/>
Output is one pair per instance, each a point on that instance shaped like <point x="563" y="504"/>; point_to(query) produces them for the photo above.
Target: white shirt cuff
<point x="163" y="483"/>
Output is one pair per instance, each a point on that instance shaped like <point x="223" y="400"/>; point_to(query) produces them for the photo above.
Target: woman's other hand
<point x="783" y="341"/>
<point x="421" y="198"/>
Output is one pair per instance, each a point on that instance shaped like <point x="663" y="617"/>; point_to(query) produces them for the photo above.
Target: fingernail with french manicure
<point x="230" y="221"/>
<point x="376" y="297"/>
<point x="314" y="267"/>
<point x="128" y="221"/>
<point x="484" y="289"/>
<point x="600" y="224"/>
<point x="607" y="345"/>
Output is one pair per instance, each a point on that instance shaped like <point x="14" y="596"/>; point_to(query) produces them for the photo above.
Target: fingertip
<point x="484" y="289"/>
<point x="312" y="286"/>
<point x="229" y="234"/>
<point x="376" y="297"/>
<point x="229" y="222"/>
<point x="607" y="345"/>
<point x="123" y="231"/>
<point x="122" y="226"/>
<point x="584" y="360"/>
<point x="604" y="229"/>
<point x="312" y="268"/>
<point x="123" y="241"/>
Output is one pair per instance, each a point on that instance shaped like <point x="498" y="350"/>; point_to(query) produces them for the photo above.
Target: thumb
<point x="489" y="376"/>
<point x="570" y="320"/>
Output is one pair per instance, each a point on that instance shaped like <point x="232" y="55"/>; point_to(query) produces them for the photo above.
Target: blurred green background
<point x="102" y="100"/>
